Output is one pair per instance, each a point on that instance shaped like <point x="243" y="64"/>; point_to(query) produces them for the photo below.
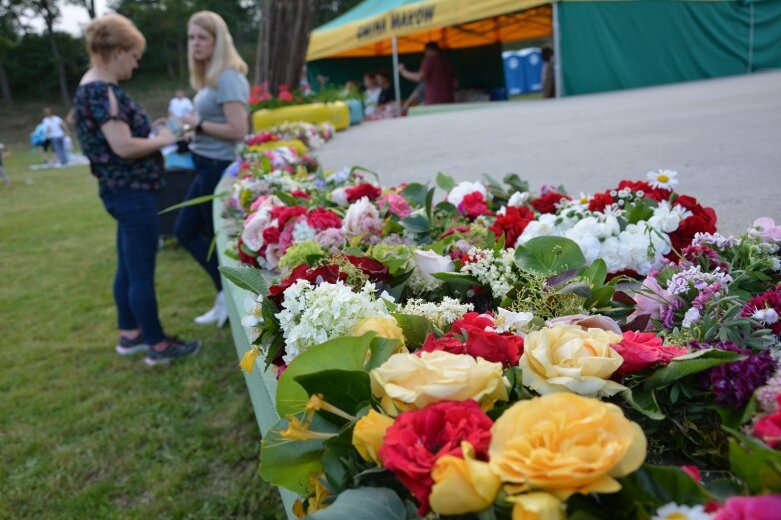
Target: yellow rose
<point x="462" y="485"/>
<point x="407" y="381"/>
<point x="537" y="506"/>
<point x="566" y="358"/>
<point x="563" y="443"/>
<point x="368" y="434"/>
<point x="384" y="326"/>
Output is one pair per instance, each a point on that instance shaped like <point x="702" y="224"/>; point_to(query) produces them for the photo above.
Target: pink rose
<point x="397" y="204"/>
<point x="642" y="350"/>
<point x="765" y="507"/>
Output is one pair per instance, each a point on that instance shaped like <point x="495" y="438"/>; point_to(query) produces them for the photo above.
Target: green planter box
<point x="262" y="386"/>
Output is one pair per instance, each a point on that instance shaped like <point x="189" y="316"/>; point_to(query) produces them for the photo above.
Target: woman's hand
<point x="189" y="120"/>
<point x="164" y="136"/>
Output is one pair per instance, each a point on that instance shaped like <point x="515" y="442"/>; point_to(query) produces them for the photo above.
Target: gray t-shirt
<point x="231" y="87"/>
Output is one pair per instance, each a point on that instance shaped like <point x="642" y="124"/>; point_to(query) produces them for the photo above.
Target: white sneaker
<point x="217" y="314"/>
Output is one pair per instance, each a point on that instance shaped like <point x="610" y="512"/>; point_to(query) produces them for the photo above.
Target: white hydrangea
<point x="441" y="314"/>
<point x="314" y="314"/>
<point x="495" y="271"/>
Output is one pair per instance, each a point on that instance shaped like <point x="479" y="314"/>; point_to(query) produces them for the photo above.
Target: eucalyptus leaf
<point x="246" y="277"/>
<point x="549" y="255"/>
<point x="416" y="193"/>
<point x="366" y="503"/>
<point x="416" y="223"/>
<point x="445" y="182"/>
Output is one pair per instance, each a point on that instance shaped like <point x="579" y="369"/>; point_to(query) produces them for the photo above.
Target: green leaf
<point x="366" y="503"/>
<point x="644" y="401"/>
<point x="194" y="202"/>
<point x="348" y="390"/>
<point x="549" y="255"/>
<point x="415" y="328"/>
<point x="659" y="485"/>
<point x="515" y="182"/>
<point x="596" y="273"/>
<point x="344" y="353"/>
<point x="600" y="297"/>
<point x="445" y="182"/>
<point x="757" y="465"/>
<point x="288" y="199"/>
<point x="430" y="203"/>
<point x="689" y="364"/>
<point x="246" y="277"/>
<point x="289" y="463"/>
<point x="416" y="223"/>
<point x="416" y="193"/>
<point x="492" y="183"/>
<point x="458" y="280"/>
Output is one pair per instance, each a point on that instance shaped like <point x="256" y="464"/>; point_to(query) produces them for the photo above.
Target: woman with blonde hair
<point x="114" y="132"/>
<point x="218" y="73"/>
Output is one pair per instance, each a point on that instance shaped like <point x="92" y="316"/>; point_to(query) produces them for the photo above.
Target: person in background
<point x="218" y="74"/>
<point x="56" y="131"/>
<point x="371" y="93"/>
<point x="3" y="176"/>
<point x="180" y="105"/>
<point x="114" y="132"/>
<point x="437" y="74"/>
<point x="548" y="73"/>
<point x="386" y="102"/>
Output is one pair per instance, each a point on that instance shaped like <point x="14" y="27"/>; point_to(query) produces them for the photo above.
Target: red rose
<point x="547" y="203"/>
<point x="362" y="190"/>
<point x="284" y="213"/>
<point x="512" y="223"/>
<point x="321" y="218"/>
<point x="702" y="220"/>
<point x="768" y="428"/>
<point x="271" y="235"/>
<point x="325" y="273"/>
<point x="600" y="202"/>
<point x="446" y="343"/>
<point x="649" y="192"/>
<point x="641" y="350"/>
<point x="473" y="205"/>
<point x="418" y="438"/>
<point x="474" y="319"/>
<point x="301" y="194"/>
<point x="376" y="271"/>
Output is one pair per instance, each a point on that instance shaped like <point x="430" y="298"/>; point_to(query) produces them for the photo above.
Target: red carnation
<point x="702" y="220"/>
<point x="271" y="235"/>
<point x="600" y="201"/>
<point x="321" y="218"/>
<point x="284" y="213"/>
<point x="770" y="299"/>
<point x="325" y="273"/>
<point x="512" y="223"/>
<point x="547" y="203"/>
<point x="362" y="190"/>
<point x="473" y="205"/>
<point x="768" y="428"/>
<point x="446" y="343"/>
<point x="418" y="438"/>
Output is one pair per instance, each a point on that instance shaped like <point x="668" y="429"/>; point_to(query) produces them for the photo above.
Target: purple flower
<point x="668" y="313"/>
<point x="734" y="383"/>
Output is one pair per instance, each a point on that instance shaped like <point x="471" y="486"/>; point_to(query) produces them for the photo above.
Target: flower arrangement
<point x="502" y="354"/>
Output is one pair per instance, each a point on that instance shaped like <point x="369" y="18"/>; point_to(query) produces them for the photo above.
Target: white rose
<point x="429" y="263"/>
<point x="518" y="198"/>
<point x="361" y="216"/>
<point x="463" y="189"/>
<point x="339" y="196"/>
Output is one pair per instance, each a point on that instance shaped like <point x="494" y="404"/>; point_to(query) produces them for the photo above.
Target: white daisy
<point x="673" y="511"/>
<point x="663" y="179"/>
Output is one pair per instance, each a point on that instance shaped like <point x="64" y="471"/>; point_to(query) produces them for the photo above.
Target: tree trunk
<point x="5" y="88"/>
<point x="49" y="15"/>
<point x="285" y="28"/>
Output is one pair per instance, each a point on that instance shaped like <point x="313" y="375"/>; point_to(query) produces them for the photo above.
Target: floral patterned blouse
<point x="91" y="108"/>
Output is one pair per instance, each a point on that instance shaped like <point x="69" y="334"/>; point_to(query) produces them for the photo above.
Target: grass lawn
<point x="85" y="433"/>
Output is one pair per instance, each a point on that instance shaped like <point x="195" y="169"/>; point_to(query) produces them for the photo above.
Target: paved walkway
<point x="723" y="136"/>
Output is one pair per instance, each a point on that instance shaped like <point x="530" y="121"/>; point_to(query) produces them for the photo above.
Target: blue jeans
<point x="58" y="145"/>
<point x="194" y="227"/>
<point x="134" y="284"/>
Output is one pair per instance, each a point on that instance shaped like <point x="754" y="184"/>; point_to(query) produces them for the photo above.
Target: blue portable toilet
<point x="531" y="60"/>
<point x="513" y="73"/>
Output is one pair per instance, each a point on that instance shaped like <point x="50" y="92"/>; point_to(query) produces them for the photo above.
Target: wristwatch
<point x="199" y="127"/>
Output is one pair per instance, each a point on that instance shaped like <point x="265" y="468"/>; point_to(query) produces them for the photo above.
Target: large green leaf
<point x="658" y="485"/>
<point x="445" y="182"/>
<point x="366" y="503"/>
<point x="416" y="223"/>
<point x="246" y="277"/>
<point x="289" y="463"/>
<point x="689" y="364"/>
<point x="644" y="401"/>
<point x="549" y="255"/>
<point x="416" y="193"/>
<point x="596" y="273"/>
<point x="415" y="328"/>
<point x="344" y="353"/>
<point x="348" y="390"/>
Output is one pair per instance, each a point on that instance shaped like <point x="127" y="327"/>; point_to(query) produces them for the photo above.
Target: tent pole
<point x="557" y="52"/>
<point x="396" y="85"/>
<point x="750" y="38"/>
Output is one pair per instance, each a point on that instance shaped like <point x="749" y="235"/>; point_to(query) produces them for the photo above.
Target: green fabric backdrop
<point x="628" y="44"/>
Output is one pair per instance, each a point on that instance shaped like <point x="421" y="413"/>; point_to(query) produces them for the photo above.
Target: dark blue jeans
<point x="134" y="284"/>
<point x="194" y="226"/>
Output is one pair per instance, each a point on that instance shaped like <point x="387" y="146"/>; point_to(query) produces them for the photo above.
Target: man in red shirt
<point x="437" y="73"/>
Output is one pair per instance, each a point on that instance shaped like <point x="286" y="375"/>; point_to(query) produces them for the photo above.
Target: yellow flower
<point x="298" y="430"/>
<point x="563" y="444"/>
<point x="566" y="358"/>
<point x="368" y="434"/>
<point x="537" y="506"/>
<point x="315" y="501"/>
<point x="462" y="485"/>
<point x="249" y="358"/>
<point x="406" y="381"/>
<point x="384" y="326"/>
